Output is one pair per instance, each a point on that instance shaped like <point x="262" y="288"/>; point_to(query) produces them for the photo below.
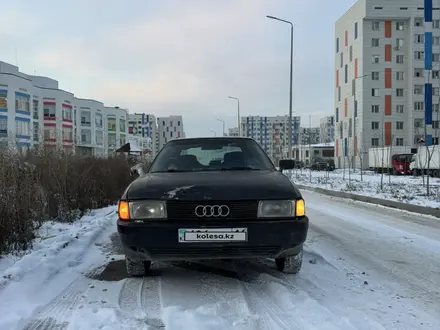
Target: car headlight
<point x="142" y="210"/>
<point x="281" y="209"/>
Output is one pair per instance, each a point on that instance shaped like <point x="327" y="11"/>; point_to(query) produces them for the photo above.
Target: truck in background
<point x="395" y="160"/>
<point x="426" y="157"/>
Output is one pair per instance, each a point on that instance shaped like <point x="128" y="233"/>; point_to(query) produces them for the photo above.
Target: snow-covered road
<point x="365" y="267"/>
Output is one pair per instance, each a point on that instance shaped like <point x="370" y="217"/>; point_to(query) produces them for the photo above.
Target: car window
<point x="210" y="154"/>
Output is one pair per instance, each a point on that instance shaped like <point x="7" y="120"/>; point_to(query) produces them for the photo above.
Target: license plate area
<point x="212" y="235"/>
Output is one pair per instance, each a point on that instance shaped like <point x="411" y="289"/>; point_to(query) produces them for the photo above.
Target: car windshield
<point x="211" y="154"/>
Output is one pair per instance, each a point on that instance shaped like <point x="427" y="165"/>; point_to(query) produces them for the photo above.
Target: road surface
<point x="365" y="267"/>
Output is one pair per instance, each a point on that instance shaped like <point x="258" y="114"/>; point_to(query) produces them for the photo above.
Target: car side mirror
<point x="286" y="164"/>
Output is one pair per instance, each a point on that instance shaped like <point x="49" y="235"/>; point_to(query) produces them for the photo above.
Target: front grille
<point x="185" y="210"/>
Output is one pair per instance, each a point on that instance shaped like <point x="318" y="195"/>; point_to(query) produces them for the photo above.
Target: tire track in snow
<point x="57" y="314"/>
<point x="140" y="298"/>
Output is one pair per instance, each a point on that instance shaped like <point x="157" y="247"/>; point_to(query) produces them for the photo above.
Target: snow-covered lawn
<point x="406" y="189"/>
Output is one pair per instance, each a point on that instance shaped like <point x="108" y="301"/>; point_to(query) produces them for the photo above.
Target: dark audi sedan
<point x="212" y="198"/>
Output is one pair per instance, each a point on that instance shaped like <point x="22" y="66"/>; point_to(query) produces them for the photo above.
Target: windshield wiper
<point x="239" y="168"/>
<point x="172" y="171"/>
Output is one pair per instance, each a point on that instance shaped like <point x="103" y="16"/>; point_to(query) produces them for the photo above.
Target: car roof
<point x="211" y="138"/>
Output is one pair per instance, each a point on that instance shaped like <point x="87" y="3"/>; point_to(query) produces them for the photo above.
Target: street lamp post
<point x="291" y="82"/>
<point x="223" y="122"/>
<point x="238" y="113"/>
<point x="215" y="133"/>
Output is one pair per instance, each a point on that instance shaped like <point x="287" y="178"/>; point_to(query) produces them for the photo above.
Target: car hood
<point x="226" y="185"/>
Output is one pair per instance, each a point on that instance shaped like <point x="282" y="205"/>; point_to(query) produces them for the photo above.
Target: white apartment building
<point x="144" y="127"/>
<point x="117" y="128"/>
<point x="233" y="131"/>
<point x="169" y="128"/>
<point x="327" y="129"/>
<point x="90" y="132"/>
<point x="271" y="132"/>
<point x="386" y="51"/>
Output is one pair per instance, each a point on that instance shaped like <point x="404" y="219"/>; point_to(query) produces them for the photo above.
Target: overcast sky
<point x="180" y="56"/>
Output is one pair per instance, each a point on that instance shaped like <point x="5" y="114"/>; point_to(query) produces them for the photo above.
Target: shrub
<point x="48" y="185"/>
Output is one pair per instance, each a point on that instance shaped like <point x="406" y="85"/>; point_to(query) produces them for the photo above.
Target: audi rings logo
<point x="214" y="211"/>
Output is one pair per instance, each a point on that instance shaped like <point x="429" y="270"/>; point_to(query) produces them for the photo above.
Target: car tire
<point x="290" y="264"/>
<point x="137" y="268"/>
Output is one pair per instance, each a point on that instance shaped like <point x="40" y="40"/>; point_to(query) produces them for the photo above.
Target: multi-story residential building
<point x="327" y="129"/>
<point x="33" y="111"/>
<point x="169" y="128"/>
<point x="90" y="132"/>
<point x="309" y="135"/>
<point x="233" y="131"/>
<point x="117" y="128"/>
<point x="144" y="126"/>
<point x="271" y="132"/>
<point x="387" y="66"/>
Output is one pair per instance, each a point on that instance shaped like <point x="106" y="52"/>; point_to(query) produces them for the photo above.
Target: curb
<point x="378" y="201"/>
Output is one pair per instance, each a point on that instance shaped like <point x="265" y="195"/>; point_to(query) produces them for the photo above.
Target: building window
<point x="36" y="131"/>
<point x="399" y="59"/>
<point x="399" y="125"/>
<point x="374" y="75"/>
<point x="435" y="74"/>
<point x="436" y="91"/>
<point x="375" y="92"/>
<point x="111" y="125"/>
<point x="375" y="59"/>
<point x="436" y="57"/>
<point x="419" y="38"/>
<point x="418" y="73"/>
<point x="178" y="123"/>
<point x="68" y="134"/>
<point x="99" y="136"/>
<point x="399" y="108"/>
<point x="399" y="92"/>
<point x="418" y="89"/>
<point x="98" y="120"/>
<point x="375" y="42"/>
<point x="399" y="141"/>
<point x="163" y="123"/>
<point x="375" y="26"/>
<point x="112" y="140"/>
<point x="337" y="45"/>
<point x="418" y="21"/>
<point x="400" y="75"/>
<point x="22" y="128"/>
<point x="355" y="30"/>
<point x="400" y="26"/>
<point x="50" y="133"/>
<point x="67" y="112"/>
<point x="375" y="108"/>
<point x="435" y="124"/>
<point x="418" y="55"/>
<point x="353" y="87"/>
<point x="374" y="125"/>
<point x="436" y="23"/>
<point x="122" y="125"/>
<point x="86" y="136"/>
<point x="399" y="43"/>
<point x="342" y="59"/>
<point x="22" y="103"/>
<point x="351" y="53"/>
<point x="35" y="112"/>
<point x="3" y="126"/>
<point x="346" y="73"/>
<point x="375" y="142"/>
<point x="49" y="109"/>
<point x="85" y="118"/>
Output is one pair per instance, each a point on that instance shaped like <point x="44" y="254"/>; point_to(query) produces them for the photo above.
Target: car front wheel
<point x="290" y="264"/>
<point x="137" y="268"/>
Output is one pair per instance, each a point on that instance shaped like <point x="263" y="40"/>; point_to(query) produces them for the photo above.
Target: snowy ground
<point x="407" y="189"/>
<point x="365" y="267"/>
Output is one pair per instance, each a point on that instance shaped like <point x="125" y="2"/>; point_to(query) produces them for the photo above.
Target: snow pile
<point x="48" y="254"/>
<point x="406" y="189"/>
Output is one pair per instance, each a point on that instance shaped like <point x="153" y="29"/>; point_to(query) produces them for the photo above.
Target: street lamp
<point x="291" y="81"/>
<point x="223" y="125"/>
<point x="238" y="113"/>
<point x="215" y="133"/>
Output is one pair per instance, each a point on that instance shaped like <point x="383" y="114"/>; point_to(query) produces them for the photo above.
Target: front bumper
<point x="158" y="240"/>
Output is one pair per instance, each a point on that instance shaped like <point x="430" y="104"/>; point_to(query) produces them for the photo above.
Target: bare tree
<point x="361" y="163"/>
